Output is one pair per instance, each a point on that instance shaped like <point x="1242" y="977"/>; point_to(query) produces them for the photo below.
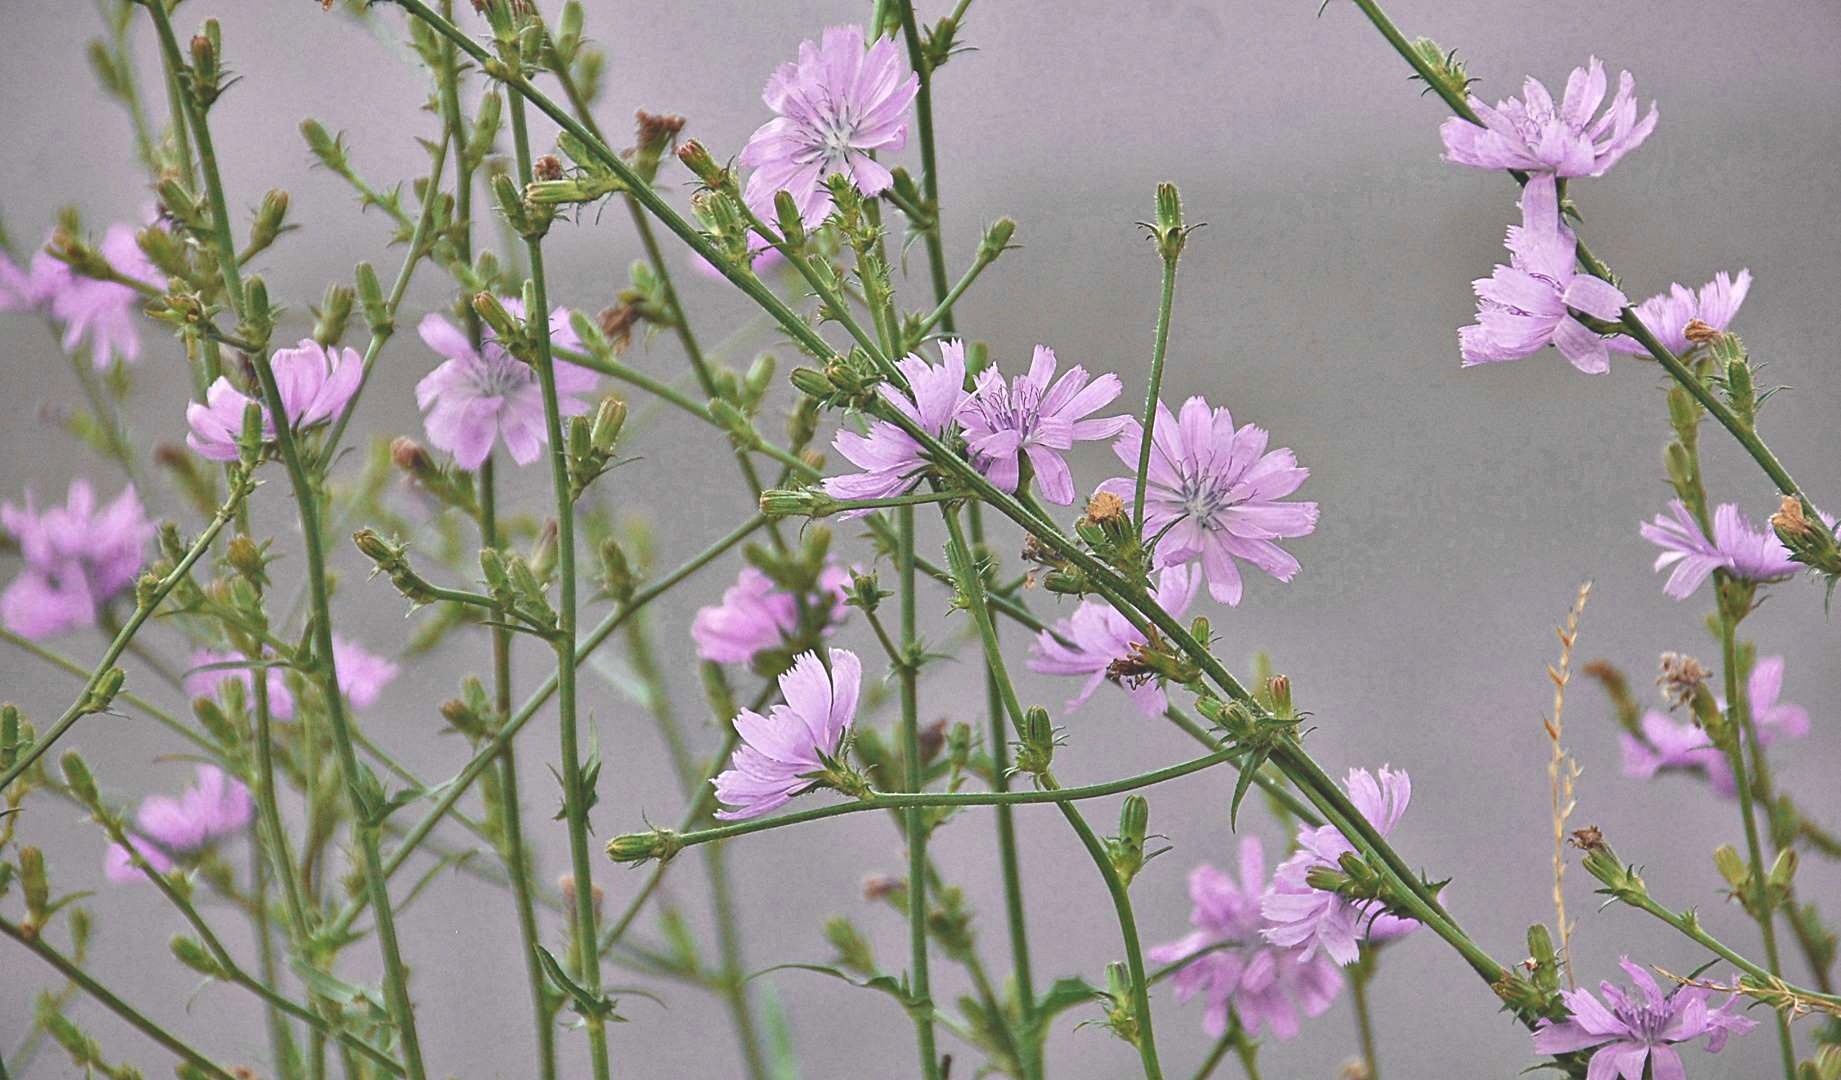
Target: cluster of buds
<point x="853" y="952"/>
<point x="725" y="223"/>
<point x="391" y="558"/>
<point x="1035" y="751"/>
<point x="588" y="180"/>
<point x="590" y="444"/>
<point x="332" y="314"/>
<point x="518" y="584"/>
<point x="845" y="381"/>
<point x="1533" y="989"/>
<point x="1759" y="897"/>
<point x="528" y="216"/>
<point x="1356" y="878"/>
<point x="1168" y="232"/>
<point x="208" y="73"/>
<point x="472" y="714"/>
<point x="809" y="502"/>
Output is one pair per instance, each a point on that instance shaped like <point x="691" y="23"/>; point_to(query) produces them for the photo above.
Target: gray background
<point x="1460" y="509"/>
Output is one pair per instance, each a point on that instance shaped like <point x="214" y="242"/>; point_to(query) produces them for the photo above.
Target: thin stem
<point x="1688" y="924"/>
<point x="1359" y="975"/>
<point x="1738" y="720"/>
<point x="140" y="1021"/>
<point x="1159" y="346"/>
<point x="576" y="795"/>
<point x="930" y="169"/>
<point x="920" y="992"/>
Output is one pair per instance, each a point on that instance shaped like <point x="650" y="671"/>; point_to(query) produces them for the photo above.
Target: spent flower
<point x="1667" y="315"/>
<point x="1093" y="639"/>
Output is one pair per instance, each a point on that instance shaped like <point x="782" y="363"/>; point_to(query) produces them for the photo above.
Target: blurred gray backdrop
<point x="1460" y="510"/>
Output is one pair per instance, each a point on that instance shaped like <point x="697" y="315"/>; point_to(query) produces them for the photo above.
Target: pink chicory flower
<point x="77" y="557"/>
<point x="1534" y="135"/>
<point x="478" y="395"/>
<point x="1096" y="636"/>
<point x="890" y="458"/>
<point x="1742" y="550"/>
<point x="782" y="751"/>
<point x="1030" y="417"/>
<point x="756" y="615"/>
<point x="1667" y="314"/>
<point x="315" y="382"/>
<point x="1635" y="1035"/>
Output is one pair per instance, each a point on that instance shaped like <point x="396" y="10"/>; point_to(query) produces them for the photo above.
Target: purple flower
<point x="782" y="752"/>
<point x="1747" y="553"/>
<point x="1033" y="418"/>
<point x="757" y="615"/>
<point x="315" y="383"/>
<point x="1637" y="1032"/>
<point x="215" y="807"/>
<point x="1666" y="744"/>
<point x="1098" y="635"/>
<point x="890" y="458"/>
<point x="32" y="288"/>
<point x="1311" y="919"/>
<point x="104" y="311"/>
<point x="204" y="679"/>
<point x="362" y="676"/>
<point x="76" y="558"/>
<point x="1266" y="986"/>
<point x="1667" y="314"/>
<point x="1531" y="135"/>
<point x="1213" y="494"/>
<point x="836" y="105"/>
<point x="479" y="394"/>
<point x="1523" y="307"/>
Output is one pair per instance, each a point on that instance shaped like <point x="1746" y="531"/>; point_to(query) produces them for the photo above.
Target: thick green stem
<point x="576" y="795"/>
<point x="919" y="990"/>
<point x="1359" y="975"/>
<point x="1738" y="720"/>
<point x="138" y="1020"/>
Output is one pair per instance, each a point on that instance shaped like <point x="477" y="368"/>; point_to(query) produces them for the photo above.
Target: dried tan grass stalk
<point x="1562" y="773"/>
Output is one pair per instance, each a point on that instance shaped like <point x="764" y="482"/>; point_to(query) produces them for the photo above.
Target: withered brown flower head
<point x="1681" y="677"/>
<point x="617" y="323"/>
<point x="658" y="129"/>
<point x="1699" y="332"/>
<point x="1790" y="518"/>
<point x="1105" y="507"/>
<point x="548" y="167"/>
<point x="1589" y="838"/>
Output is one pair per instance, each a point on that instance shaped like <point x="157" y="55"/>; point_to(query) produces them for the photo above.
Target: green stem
<point x="1359" y="975"/>
<point x="1738" y="720"/>
<point x="512" y="849"/>
<point x="1159" y="346"/>
<point x="904" y="800"/>
<point x="280" y="1034"/>
<point x="147" y="601"/>
<point x="576" y="795"/>
<point x="930" y="169"/>
<point x="1688" y="924"/>
<point x="138" y="1020"/>
<point x="920" y="992"/>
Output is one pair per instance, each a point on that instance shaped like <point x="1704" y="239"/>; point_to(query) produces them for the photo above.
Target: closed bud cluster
<point x="80" y="782"/>
<point x="102" y="695"/>
<point x="618" y="577"/>
<point x="696" y="157"/>
<point x="853" y="951"/>
<point x="371" y="300"/>
<point x="1168" y="230"/>
<point x="271" y="218"/>
<point x="1035" y="753"/>
<point x="333" y="314"/>
<point x="655" y="133"/>
<point x="591" y="444"/>
<point x="249" y="559"/>
<point x="1447" y="76"/>
<point x="721" y="216"/>
<point x="207" y="48"/>
<point x="1126" y="850"/>
<point x="996" y="239"/>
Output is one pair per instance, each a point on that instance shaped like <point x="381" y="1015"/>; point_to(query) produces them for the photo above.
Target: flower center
<point x="501" y="374"/>
<point x="1205" y="495"/>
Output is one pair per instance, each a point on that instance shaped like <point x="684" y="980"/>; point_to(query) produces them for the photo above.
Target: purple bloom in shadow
<point x="1214" y="494"/>
<point x="1533" y="134"/>
<point x="33" y="287"/>
<point x="782" y="751"/>
<point x="213" y="808"/>
<point x="1096" y="635"/>
<point x="1266" y="986"/>
<point x="477" y="395"/>
<point x="1669" y="745"/>
<point x="1036" y="419"/>
<point x="890" y="458"/>
<point x="1311" y="919"/>
<point x="1524" y="307"/>
<point x="362" y="676"/>
<point x="836" y="105"/>
<point x="1745" y="552"/>
<point x="315" y="384"/>
<point x="76" y="558"/>
<point x="103" y="311"/>
<point x="1634" y="1032"/>
<point x="757" y="615"/>
<point x="1667" y="314"/>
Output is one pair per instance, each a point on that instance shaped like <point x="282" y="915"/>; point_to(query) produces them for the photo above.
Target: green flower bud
<point x="371" y="299"/>
<point x="660" y="844"/>
<point x="80" y="781"/>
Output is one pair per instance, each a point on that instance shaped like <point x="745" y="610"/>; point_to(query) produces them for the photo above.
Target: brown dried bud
<point x="1132" y="669"/>
<point x="1699" y="332"/>
<point x="1588" y="839"/>
<point x="1790" y="518"/>
<point x="880" y="886"/>
<point x="547" y="167"/>
<point x="617" y="323"/>
<point x="932" y="739"/>
<point x="409" y="456"/>
<point x="657" y="129"/>
<point x="1682" y="676"/>
<point x="1105" y="507"/>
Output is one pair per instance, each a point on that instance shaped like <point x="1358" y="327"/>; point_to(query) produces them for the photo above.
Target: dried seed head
<point x="1682" y="676"/>
<point x="1789" y="517"/>
<point x="1588" y="839"/>
<point x="1105" y="507"/>
<point x="1699" y="332"/>
<point x="548" y="167"/>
